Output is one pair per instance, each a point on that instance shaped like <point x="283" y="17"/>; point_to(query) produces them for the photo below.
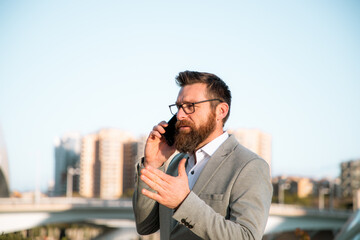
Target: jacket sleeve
<point x="248" y="207"/>
<point x="145" y="209"/>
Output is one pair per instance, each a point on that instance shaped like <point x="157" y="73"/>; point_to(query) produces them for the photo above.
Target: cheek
<point x="193" y="123"/>
<point x="199" y="121"/>
<point x="199" y="117"/>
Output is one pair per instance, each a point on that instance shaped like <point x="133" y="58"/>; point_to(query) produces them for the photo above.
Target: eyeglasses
<point x="187" y="107"/>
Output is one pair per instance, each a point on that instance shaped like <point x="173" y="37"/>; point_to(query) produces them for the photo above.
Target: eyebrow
<point x="184" y="102"/>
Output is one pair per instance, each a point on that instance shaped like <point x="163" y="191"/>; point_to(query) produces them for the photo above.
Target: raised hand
<point x="170" y="191"/>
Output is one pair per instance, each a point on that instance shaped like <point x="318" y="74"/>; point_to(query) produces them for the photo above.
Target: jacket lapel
<point x="174" y="164"/>
<point x="173" y="171"/>
<point x="216" y="160"/>
<point x="221" y="154"/>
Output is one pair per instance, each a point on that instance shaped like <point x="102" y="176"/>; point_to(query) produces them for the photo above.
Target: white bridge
<point x="20" y="214"/>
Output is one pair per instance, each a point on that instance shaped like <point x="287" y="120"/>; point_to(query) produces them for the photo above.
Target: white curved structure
<point x="19" y="214"/>
<point x="4" y="169"/>
<point x="350" y="230"/>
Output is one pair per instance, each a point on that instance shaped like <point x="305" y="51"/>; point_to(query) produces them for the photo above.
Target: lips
<point x="183" y="125"/>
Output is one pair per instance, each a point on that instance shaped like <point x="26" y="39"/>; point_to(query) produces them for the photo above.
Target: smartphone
<point x="170" y="131"/>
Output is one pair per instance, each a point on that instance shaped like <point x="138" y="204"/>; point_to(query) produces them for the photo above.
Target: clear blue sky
<point x="292" y="66"/>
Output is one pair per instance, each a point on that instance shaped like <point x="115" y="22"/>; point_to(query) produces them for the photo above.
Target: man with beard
<point x="214" y="188"/>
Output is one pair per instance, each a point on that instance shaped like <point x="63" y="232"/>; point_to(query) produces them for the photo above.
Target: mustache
<point x="183" y="123"/>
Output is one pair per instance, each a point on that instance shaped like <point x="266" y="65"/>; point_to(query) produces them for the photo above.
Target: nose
<point x="181" y="114"/>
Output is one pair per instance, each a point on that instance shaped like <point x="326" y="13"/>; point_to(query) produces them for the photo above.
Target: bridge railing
<point x="73" y="202"/>
<point x="296" y="210"/>
<point x="76" y="202"/>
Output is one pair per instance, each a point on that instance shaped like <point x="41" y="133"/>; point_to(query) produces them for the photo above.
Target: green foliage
<point x="13" y="236"/>
<point x="301" y="234"/>
<point x="62" y="231"/>
<point x="312" y="201"/>
<point x="309" y="201"/>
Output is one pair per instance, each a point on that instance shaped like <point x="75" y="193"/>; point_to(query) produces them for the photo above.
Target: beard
<point x="187" y="142"/>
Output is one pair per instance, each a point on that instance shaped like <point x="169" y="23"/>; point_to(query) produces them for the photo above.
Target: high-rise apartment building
<point x="4" y="170"/>
<point x="67" y="155"/>
<point x="88" y="156"/>
<point x="350" y="177"/>
<point x="255" y="140"/>
<point x="102" y="163"/>
<point x="133" y="152"/>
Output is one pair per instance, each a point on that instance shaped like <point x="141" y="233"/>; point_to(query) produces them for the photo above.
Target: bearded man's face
<point x="188" y="141"/>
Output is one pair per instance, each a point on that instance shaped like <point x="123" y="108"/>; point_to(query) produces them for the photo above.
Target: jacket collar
<point x="216" y="160"/>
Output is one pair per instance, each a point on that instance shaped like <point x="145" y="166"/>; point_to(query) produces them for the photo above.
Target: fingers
<point x="170" y="191"/>
<point x="182" y="168"/>
<point x="151" y="195"/>
<point x="160" y="127"/>
<point x="158" y="130"/>
<point x="155" y="134"/>
<point x="163" y="123"/>
<point x="155" y="174"/>
<point x="152" y="181"/>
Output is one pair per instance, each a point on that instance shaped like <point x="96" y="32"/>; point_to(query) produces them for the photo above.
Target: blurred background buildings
<point x="102" y="162"/>
<point x="67" y="156"/>
<point x="350" y="182"/>
<point x="257" y="141"/>
<point x="97" y="165"/>
<point x="101" y="165"/>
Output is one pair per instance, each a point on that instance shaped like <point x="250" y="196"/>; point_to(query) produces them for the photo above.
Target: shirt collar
<point x="212" y="146"/>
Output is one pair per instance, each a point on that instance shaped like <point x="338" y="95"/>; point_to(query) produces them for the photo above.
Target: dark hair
<point x="216" y="87"/>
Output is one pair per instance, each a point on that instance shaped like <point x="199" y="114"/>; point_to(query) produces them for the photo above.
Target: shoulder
<point x="241" y="156"/>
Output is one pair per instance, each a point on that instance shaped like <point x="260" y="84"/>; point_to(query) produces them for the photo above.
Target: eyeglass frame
<point x="178" y="106"/>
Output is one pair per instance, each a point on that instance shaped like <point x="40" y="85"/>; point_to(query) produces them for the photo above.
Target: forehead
<point x="192" y="93"/>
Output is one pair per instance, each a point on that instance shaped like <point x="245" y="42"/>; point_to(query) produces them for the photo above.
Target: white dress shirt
<point x="193" y="169"/>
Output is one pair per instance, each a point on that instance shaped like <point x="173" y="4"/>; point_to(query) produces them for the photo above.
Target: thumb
<point x="181" y="168"/>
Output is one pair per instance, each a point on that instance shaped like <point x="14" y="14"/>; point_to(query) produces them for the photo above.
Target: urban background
<point x="101" y="165"/>
<point x="82" y="84"/>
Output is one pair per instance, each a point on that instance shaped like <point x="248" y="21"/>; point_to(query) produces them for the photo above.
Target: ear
<point x="222" y="110"/>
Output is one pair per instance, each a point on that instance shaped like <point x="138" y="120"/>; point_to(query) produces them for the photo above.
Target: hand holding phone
<point x="170" y="131"/>
<point x="157" y="151"/>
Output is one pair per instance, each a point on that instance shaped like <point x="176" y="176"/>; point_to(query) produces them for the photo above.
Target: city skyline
<point x="256" y="140"/>
<point x="292" y="68"/>
<point x="105" y="160"/>
<point x="103" y="163"/>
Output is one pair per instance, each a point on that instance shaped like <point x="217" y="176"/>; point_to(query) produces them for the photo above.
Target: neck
<point x="211" y="137"/>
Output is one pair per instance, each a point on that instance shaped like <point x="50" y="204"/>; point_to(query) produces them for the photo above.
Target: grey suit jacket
<point x="230" y="200"/>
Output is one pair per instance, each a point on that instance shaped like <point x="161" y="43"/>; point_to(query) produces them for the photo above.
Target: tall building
<point x="350" y="177"/>
<point x="255" y="140"/>
<point x="88" y="156"/>
<point x="305" y="187"/>
<point x="67" y="155"/>
<point x="102" y="163"/>
<point x="133" y="152"/>
<point x="4" y="169"/>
